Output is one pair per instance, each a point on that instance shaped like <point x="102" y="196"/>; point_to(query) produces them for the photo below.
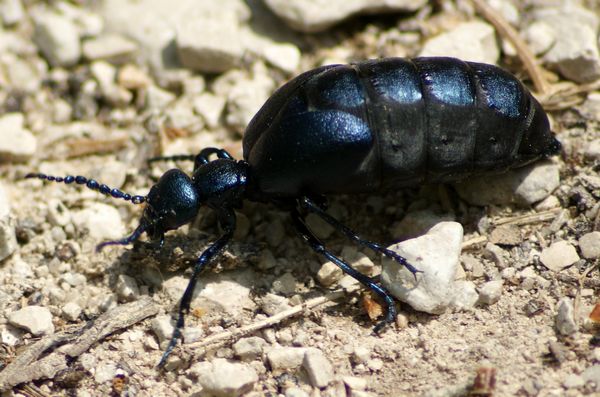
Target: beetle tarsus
<point x="319" y="248"/>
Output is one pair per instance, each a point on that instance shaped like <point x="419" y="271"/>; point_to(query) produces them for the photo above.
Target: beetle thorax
<point x="221" y="183"/>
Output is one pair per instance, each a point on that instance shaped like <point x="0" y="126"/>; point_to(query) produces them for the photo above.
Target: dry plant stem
<point x="268" y="322"/>
<point x="529" y="218"/>
<point x="506" y="31"/>
<point x="50" y="355"/>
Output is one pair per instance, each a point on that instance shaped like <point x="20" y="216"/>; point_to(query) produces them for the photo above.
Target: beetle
<point x="366" y="127"/>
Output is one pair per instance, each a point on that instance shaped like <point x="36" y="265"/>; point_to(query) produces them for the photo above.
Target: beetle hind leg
<point x="311" y="206"/>
<point x="320" y="248"/>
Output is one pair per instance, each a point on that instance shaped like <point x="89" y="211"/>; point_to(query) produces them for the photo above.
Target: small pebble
<point x="17" y="143"/>
<point x="558" y="256"/>
<point x="112" y="48"/>
<point x="71" y="311"/>
<point x="319" y="368"/>
<point x="127" y="288"/>
<point x="57" y="37"/>
<point x="163" y="328"/>
<point x="285" y="358"/>
<point x="329" y="274"/>
<point x="592" y="374"/>
<point x="223" y="378"/>
<point x="436" y="255"/>
<point x="565" y="320"/>
<point x="249" y="348"/>
<point x="35" y="319"/>
<point x="490" y="292"/>
<point x="589" y="244"/>
<point x="465" y="295"/>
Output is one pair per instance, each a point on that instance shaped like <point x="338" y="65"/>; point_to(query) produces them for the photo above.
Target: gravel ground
<point x="96" y="88"/>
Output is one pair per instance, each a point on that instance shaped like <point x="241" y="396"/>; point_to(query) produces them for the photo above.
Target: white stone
<point x="329" y="274"/>
<point x="318" y="15"/>
<point x="71" y="311"/>
<point x="436" y="255"/>
<point x="565" y="320"/>
<point x="162" y="327"/>
<point x="222" y="378"/>
<point x="490" y="292"/>
<point x="471" y="41"/>
<point x="319" y="368"/>
<point x="35" y="319"/>
<point x="464" y="296"/>
<point x="11" y="11"/>
<point x="102" y="221"/>
<point x="109" y="47"/>
<point x="285" y="358"/>
<point x="249" y="348"/>
<point x="589" y="244"/>
<point x="57" y="37"/>
<point x="127" y="288"/>
<point x="523" y="186"/>
<point x="210" y="107"/>
<point x="17" y="143"/>
<point x="272" y="304"/>
<point x="575" y="51"/>
<point x="558" y="256"/>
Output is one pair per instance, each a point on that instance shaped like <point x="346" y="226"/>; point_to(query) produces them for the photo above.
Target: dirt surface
<point x="55" y="262"/>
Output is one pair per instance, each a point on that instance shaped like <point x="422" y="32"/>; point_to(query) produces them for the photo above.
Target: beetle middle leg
<point x="311" y="206"/>
<point x="319" y="247"/>
<point x="227" y="221"/>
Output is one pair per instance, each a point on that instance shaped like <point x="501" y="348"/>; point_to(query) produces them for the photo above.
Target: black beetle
<point x="365" y="127"/>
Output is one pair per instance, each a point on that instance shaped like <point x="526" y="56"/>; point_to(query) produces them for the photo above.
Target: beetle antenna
<point x="90" y="184"/>
<point x="127" y="240"/>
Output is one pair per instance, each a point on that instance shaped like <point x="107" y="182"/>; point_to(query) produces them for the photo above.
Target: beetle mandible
<point x="365" y="127"/>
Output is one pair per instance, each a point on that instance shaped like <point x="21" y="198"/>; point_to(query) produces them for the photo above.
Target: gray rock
<point x="163" y="328"/>
<point x="592" y="374"/>
<point x="415" y="223"/>
<point x="8" y="239"/>
<point x="490" y="292"/>
<point x="565" y="319"/>
<point x="358" y="260"/>
<point x="71" y="311"/>
<point x="589" y="244"/>
<point x="320" y="228"/>
<point x="318" y="15"/>
<point x="35" y="319"/>
<point x="464" y="295"/>
<point x="436" y="255"/>
<point x="272" y="304"/>
<point x="249" y="348"/>
<point x="224" y="379"/>
<point x="102" y="222"/>
<point x="285" y="358"/>
<point x="57" y="37"/>
<point x="329" y="274"/>
<point x="319" y="368"/>
<point x="575" y="51"/>
<point x="558" y="256"/>
<point x="127" y="288"/>
<point x="573" y="381"/>
<point x="592" y="150"/>
<point x="17" y="143"/>
<point x="540" y="37"/>
<point x="523" y="186"/>
<point x="209" y="39"/>
<point x="110" y="47"/>
<point x="11" y="12"/>
<point x="285" y="284"/>
<point x="472" y="41"/>
<point x="210" y="107"/>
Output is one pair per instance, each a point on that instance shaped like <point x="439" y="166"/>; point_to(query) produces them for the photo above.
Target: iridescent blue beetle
<point x="371" y="126"/>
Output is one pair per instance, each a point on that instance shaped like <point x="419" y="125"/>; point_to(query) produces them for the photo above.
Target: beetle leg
<point x="311" y="206"/>
<point x="202" y="157"/>
<point x="320" y="248"/>
<point x="176" y="157"/>
<point x="227" y="221"/>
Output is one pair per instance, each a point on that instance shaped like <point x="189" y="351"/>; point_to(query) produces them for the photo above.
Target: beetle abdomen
<point x="392" y="123"/>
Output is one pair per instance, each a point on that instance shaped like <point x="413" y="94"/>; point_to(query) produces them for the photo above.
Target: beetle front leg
<point x="319" y="248"/>
<point x="227" y="221"/>
<point x="202" y="157"/>
<point x="317" y="209"/>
